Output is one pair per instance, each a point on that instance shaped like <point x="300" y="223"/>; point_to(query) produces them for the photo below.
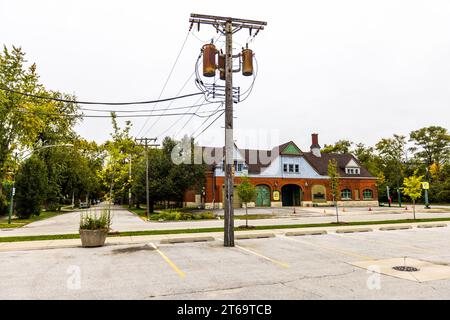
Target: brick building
<point x="286" y="176"/>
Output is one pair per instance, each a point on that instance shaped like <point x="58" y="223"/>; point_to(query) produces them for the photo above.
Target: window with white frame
<point x="352" y="170"/>
<point x="367" y="194"/>
<point x="346" y="194"/>
<point x="291" y="168"/>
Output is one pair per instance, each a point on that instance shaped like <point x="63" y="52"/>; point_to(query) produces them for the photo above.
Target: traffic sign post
<point x="425" y="187"/>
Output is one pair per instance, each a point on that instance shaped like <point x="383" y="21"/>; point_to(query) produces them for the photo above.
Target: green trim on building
<point x="291" y="149"/>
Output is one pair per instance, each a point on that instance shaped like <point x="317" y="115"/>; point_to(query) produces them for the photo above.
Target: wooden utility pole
<point x="228" y="26"/>
<point x="146" y="143"/>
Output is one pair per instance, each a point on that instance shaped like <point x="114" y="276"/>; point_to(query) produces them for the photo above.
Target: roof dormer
<point x="352" y="167"/>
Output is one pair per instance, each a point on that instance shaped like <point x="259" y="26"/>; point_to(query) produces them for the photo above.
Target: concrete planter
<point x="93" y="238"/>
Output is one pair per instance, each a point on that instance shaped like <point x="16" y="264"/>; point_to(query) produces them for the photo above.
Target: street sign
<point x="425" y="185"/>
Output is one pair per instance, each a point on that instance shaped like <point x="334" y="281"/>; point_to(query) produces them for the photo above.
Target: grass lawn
<point x="220" y="229"/>
<point x="17" y="223"/>
<point x="142" y="212"/>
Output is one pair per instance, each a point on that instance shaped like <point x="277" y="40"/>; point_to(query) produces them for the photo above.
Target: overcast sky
<point x="358" y="70"/>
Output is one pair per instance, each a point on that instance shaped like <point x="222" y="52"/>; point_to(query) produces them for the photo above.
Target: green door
<point x="262" y="196"/>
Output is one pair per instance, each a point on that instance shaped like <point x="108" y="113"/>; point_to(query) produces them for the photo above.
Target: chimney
<point x="315" y="147"/>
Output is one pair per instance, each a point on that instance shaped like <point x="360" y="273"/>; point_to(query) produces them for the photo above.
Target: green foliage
<point x="27" y="122"/>
<point x="333" y="175"/>
<point x="341" y="146"/>
<point x="94" y="221"/>
<point x="432" y="144"/>
<point x="181" y="216"/>
<point x="246" y="190"/>
<point x="168" y="181"/>
<point x="412" y="186"/>
<point x="31" y="187"/>
<point x="114" y="175"/>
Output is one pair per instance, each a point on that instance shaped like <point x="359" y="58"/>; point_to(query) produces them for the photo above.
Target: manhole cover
<point x="405" y="268"/>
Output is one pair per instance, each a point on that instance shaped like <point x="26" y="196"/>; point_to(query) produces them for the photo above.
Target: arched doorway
<point x="291" y="195"/>
<point x="262" y="196"/>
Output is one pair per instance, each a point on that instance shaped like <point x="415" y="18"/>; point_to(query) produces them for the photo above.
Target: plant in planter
<point x="94" y="228"/>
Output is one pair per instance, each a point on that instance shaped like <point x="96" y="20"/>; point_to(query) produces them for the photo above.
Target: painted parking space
<point x="297" y="267"/>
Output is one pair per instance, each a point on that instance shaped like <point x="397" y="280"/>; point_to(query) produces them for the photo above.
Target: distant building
<point x="286" y="176"/>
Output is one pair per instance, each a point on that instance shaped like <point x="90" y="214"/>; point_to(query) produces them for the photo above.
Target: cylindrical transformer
<point x="209" y="60"/>
<point x="247" y="62"/>
<point x="222" y="66"/>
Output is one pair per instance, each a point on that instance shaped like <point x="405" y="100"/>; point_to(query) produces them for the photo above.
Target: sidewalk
<point x="131" y="240"/>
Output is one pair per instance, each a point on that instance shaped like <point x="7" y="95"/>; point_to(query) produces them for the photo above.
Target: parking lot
<point x="283" y="267"/>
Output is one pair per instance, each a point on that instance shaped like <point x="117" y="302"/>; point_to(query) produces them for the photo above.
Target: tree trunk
<point x="152" y="206"/>
<point x="414" y="208"/>
<point x="335" y="205"/>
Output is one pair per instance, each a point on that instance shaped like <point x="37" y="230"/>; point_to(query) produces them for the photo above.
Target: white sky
<point x="358" y="70"/>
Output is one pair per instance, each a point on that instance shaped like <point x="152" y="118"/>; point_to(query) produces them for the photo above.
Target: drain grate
<point x="406" y="268"/>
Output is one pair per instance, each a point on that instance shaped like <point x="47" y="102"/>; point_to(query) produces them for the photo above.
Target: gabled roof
<point x="290" y="149"/>
<point x="321" y="163"/>
<point x="260" y="159"/>
<point x="352" y="163"/>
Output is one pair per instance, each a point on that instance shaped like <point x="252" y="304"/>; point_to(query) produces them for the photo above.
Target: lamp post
<point x="13" y="189"/>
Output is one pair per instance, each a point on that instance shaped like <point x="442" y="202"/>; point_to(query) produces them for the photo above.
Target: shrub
<point x="92" y="221"/>
<point x="31" y="186"/>
<point x="181" y="216"/>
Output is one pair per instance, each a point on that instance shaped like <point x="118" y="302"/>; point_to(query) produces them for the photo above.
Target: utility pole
<point x="228" y="26"/>
<point x="146" y="143"/>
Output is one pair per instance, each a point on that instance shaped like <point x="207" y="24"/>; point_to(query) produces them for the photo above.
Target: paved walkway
<point x="68" y="223"/>
<point x="123" y="220"/>
<point x="74" y="243"/>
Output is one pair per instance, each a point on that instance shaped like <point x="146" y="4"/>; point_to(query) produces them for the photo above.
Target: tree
<point x="391" y="152"/>
<point x="27" y="122"/>
<point x="31" y="186"/>
<point x="432" y="143"/>
<point x="368" y="158"/>
<point x="115" y="175"/>
<point x="341" y="146"/>
<point x="247" y="193"/>
<point x="412" y="187"/>
<point x="333" y="175"/>
<point x="168" y="181"/>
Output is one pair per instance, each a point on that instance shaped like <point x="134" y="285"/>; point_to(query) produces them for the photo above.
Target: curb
<point x="354" y="230"/>
<point x="395" y="228"/>
<point x="186" y="240"/>
<point x="254" y="236"/>
<point x="305" y="233"/>
<point x="436" y="225"/>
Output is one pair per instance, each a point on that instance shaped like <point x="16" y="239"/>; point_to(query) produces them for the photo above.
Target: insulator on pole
<point x="209" y="60"/>
<point x="247" y="61"/>
<point x="222" y="65"/>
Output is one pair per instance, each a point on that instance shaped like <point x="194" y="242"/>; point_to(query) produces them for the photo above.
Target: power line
<point x="209" y="125"/>
<point x="168" y="77"/>
<point x="121" y="116"/>
<point x="174" y="123"/>
<point x="168" y="106"/>
<point x="205" y="120"/>
<point x="97" y="102"/>
<point x="141" y="110"/>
